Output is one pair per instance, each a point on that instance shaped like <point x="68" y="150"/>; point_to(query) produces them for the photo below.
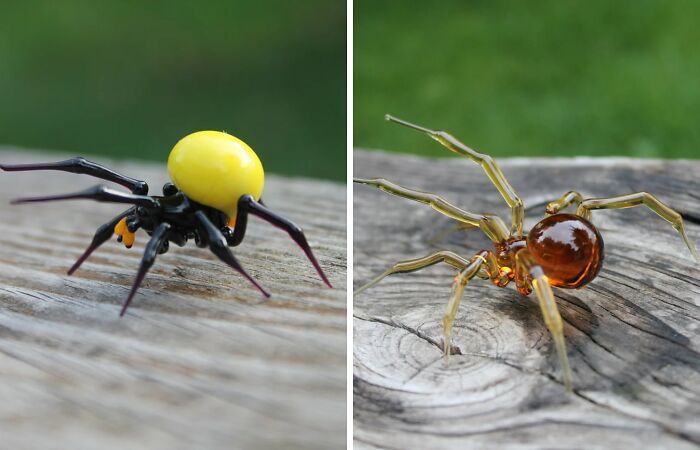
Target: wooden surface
<point x="200" y="360"/>
<point x="633" y="334"/>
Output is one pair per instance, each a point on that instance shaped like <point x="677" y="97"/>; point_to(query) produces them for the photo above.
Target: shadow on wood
<point x="632" y="334"/>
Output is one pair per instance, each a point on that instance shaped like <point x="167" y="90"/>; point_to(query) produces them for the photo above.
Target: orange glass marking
<point x="120" y="228"/>
<point x="128" y="239"/>
<point x="232" y="222"/>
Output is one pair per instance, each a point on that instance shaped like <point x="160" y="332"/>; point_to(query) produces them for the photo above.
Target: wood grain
<point x="633" y="333"/>
<point x="200" y="360"/>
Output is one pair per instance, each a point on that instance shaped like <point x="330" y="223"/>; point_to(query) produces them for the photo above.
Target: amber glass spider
<point x="562" y="250"/>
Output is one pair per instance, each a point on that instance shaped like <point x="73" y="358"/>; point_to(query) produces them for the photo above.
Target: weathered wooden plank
<point x="632" y="334"/>
<point x="200" y="360"/>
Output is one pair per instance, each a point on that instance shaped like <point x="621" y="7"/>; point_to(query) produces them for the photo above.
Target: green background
<point x="515" y="78"/>
<point x="128" y="79"/>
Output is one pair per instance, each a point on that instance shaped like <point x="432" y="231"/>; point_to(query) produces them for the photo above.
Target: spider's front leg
<point x="248" y="205"/>
<point x="158" y="238"/>
<point x="218" y="246"/>
<point x="493" y="171"/>
<point x="532" y="274"/>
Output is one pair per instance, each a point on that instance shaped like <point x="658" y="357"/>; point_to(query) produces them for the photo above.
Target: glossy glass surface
<point x="216" y="169"/>
<point x="568" y="248"/>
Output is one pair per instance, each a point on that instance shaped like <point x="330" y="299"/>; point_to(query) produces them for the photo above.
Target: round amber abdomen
<point x="569" y="249"/>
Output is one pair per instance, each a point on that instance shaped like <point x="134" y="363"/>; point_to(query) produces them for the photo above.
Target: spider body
<point x="569" y="249"/>
<point x="217" y="182"/>
<point x="562" y="250"/>
<point x="216" y="169"/>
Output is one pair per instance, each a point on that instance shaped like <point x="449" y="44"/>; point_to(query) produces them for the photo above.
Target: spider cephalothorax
<point x="217" y="181"/>
<point x="562" y="250"/>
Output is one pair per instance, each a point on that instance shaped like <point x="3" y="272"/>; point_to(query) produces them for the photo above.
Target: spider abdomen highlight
<point x="216" y="169"/>
<point x="568" y="248"/>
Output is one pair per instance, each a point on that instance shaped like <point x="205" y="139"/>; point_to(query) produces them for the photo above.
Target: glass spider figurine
<point x="217" y="181"/>
<point x="562" y="250"/>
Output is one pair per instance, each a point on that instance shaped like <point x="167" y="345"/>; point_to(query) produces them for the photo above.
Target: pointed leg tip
<point x="568" y="386"/>
<point x="76" y="266"/>
<point x="260" y="289"/>
<point x="257" y="286"/>
<point x="325" y="280"/>
<point x="696" y="257"/>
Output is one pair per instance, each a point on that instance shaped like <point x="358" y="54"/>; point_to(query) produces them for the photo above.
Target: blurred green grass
<point x="514" y="78"/>
<point x="128" y="79"/>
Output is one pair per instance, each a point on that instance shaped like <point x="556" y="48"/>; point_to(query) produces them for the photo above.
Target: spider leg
<point x="83" y="166"/>
<point x="468" y="269"/>
<point x="102" y="234"/>
<point x="413" y="265"/>
<point x="529" y="270"/>
<point x="565" y="200"/>
<point x="248" y="205"/>
<point x="160" y="235"/>
<point x="219" y="246"/>
<point x="486" y="162"/>
<point x="490" y="224"/>
<point x="98" y="193"/>
<point x="638" y="199"/>
<point x="460" y="283"/>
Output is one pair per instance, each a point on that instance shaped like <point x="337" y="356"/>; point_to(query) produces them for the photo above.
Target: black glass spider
<point x="174" y="216"/>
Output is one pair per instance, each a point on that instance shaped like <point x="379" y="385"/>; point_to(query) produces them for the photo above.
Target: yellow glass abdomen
<point x="216" y="169"/>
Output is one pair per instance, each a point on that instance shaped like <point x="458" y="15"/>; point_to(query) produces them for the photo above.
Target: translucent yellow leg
<point x="492" y="225"/>
<point x="468" y="270"/>
<point x="486" y="162"/>
<point x="552" y="319"/>
<point x="412" y="265"/>
<point x="566" y="200"/>
<point x="637" y="199"/>
<point x="460" y="282"/>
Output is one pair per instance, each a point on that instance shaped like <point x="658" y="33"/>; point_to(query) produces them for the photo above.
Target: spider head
<point x="216" y="169"/>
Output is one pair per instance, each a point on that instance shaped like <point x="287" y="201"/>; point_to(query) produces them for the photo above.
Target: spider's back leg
<point x="468" y="269"/>
<point x="490" y="224"/>
<point x="638" y="199"/>
<point x="97" y="193"/>
<point x="102" y="234"/>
